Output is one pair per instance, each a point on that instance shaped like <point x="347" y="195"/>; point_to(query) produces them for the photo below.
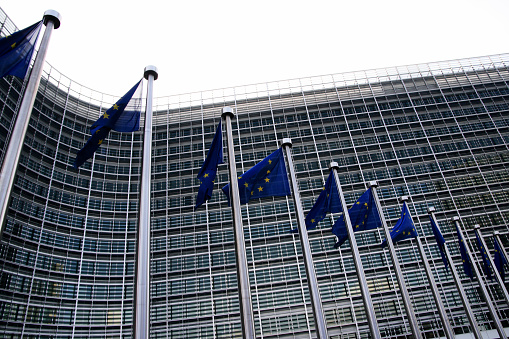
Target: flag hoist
<point x="52" y="21"/>
<point x="395" y="263"/>
<point x="457" y="281"/>
<point x="484" y="290"/>
<point x="142" y="314"/>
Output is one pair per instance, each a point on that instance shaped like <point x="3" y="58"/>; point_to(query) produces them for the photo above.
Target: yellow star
<point x="214" y="181"/>
<point x="252" y="192"/>
<point x="115" y="107"/>
<point x="206" y="175"/>
<point x="97" y="131"/>
<point x="312" y="221"/>
<point x="267" y="179"/>
<point x="365" y="204"/>
<point x="358" y="203"/>
<point x="356" y="226"/>
<point x="13" y="45"/>
<point x="240" y="177"/>
<point x="268" y="171"/>
<point x="270" y="161"/>
<point x="106" y="115"/>
<point x="246" y="184"/>
<point x="260" y="189"/>
<point x="100" y="141"/>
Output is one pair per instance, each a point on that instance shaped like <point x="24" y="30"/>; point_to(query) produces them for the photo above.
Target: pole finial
<point x="477" y="226"/>
<point x="403" y="198"/>
<point x="227" y="110"/>
<point x="51" y="15"/>
<point x="150" y="70"/>
<point x="373" y="183"/>
<point x="455" y="218"/>
<point x="431" y="209"/>
<point x="286" y="142"/>
<point x="334" y="165"/>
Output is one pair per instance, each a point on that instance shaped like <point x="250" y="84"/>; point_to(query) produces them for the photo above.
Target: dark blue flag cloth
<point x="500" y="259"/>
<point x="485" y="258"/>
<point x="363" y="215"/>
<point x="328" y="201"/>
<point x="440" y="240"/>
<point x="268" y="178"/>
<point x="16" y="51"/>
<point x="123" y="116"/>
<point x="207" y="174"/>
<point x="467" y="267"/>
<point x="404" y="228"/>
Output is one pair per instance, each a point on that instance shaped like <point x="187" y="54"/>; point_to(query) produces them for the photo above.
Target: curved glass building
<point x="436" y="132"/>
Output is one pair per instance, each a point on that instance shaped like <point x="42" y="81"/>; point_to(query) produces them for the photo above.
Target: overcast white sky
<point x="201" y="45"/>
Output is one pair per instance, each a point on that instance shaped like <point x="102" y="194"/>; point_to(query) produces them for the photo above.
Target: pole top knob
<point x="373" y="183"/>
<point x="477" y="226"/>
<point x="496" y="233"/>
<point x="286" y="142"/>
<point x="150" y="70"/>
<point x="455" y="218"/>
<point x="431" y="209"/>
<point x="403" y="198"/>
<point x="227" y="110"/>
<point x="334" y="165"/>
<point x="51" y="15"/>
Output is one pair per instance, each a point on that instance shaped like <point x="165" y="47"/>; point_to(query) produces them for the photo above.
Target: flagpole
<point x="246" y="307"/>
<point x="484" y="290"/>
<point x="459" y="286"/>
<point x="496" y="234"/>
<point x="316" y="302"/>
<point x="366" y="297"/>
<point x="7" y="174"/>
<point x="449" y="333"/>
<point x="142" y="324"/>
<point x="395" y="263"/>
<point x="477" y="229"/>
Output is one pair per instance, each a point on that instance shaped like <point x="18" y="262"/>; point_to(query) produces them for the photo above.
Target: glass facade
<point x="436" y="132"/>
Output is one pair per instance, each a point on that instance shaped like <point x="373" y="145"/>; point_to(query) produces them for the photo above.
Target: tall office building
<point x="436" y="132"/>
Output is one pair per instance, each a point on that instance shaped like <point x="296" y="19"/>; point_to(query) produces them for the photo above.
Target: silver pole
<point x="395" y="263"/>
<point x="449" y="333"/>
<point x="477" y="228"/>
<point x="316" y="302"/>
<point x="7" y="174"/>
<point x="366" y="297"/>
<point x="142" y="325"/>
<point x="459" y="286"/>
<point x="484" y="290"/>
<point x="246" y="307"/>
<point x="496" y="234"/>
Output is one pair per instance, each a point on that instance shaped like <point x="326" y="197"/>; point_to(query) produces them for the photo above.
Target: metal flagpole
<point x="395" y="263"/>
<point x="246" y="307"/>
<point x="366" y="297"/>
<point x="496" y="234"/>
<point x="477" y="228"/>
<point x="484" y="290"/>
<point x="316" y="302"/>
<point x="449" y="333"/>
<point x="459" y="286"/>
<point x="13" y="152"/>
<point x="142" y="324"/>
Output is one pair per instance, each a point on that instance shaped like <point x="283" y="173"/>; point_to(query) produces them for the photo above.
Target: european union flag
<point x="467" y="264"/>
<point x="363" y="215"/>
<point x="328" y="201"/>
<point x="485" y="258"/>
<point x="207" y="174"/>
<point x="404" y="228"/>
<point x="268" y="178"/>
<point x="440" y="240"/>
<point x="500" y="259"/>
<point x="16" y="51"/>
<point x="123" y="116"/>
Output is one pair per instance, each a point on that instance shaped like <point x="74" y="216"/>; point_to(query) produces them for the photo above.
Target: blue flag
<point x="467" y="265"/>
<point x="123" y="116"/>
<point x="208" y="171"/>
<point x="404" y="228"/>
<point x="328" y="201"/>
<point x="440" y="240"/>
<point x="500" y="259"/>
<point x="16" y="51"/>
<point x="363" y="216"/>
<point x="268" y="178"/>
<point x="485" y="258"/>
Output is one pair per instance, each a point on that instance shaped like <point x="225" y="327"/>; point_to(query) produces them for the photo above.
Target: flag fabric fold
<point x="404" y="228"/>
<point x="123" y="116"/>
<point x="467" y="263"/>
<point x="17" y="49"/>
<point x="208" y="171"/>
<point x="485" y="258"/>
<point x="500" y="259"/>
<point x="440" y="240"/>
<point x="268" y="178"/>
<point x="363" y="216"/>
<point x="327" y="202"/>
